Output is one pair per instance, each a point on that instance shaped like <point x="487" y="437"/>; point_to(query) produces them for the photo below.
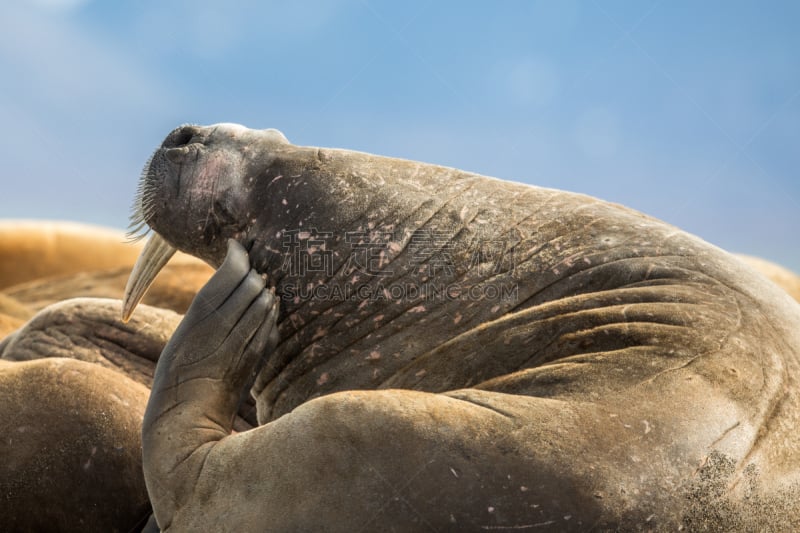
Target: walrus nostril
<point x="176" y="155"/>
<point x="180" y="137"/>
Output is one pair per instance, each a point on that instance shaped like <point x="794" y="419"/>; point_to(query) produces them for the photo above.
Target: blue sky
<point x="688" y="111"/>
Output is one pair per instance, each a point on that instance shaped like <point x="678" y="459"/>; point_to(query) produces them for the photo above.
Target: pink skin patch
<point x="88" y="462"/>
<point x="417" y="309"/>
<point x="569" y="261"/>
<point x="323" y="379"/>
<point x="208" y="174"/>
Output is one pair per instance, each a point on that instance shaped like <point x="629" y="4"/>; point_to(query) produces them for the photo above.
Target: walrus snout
<point x="188" y="198"/>
<point x="180" y="136"/>
<point x="176" y="145"/>
<point x="201" y="187"/>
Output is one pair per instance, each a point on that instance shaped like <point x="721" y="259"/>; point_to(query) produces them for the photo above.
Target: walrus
<point x="71" y="448"/>
<point x="174" y="289"/>
<point x="70" y="431"/>
<point x="31" y="249"/>
<point x="453" y="352"/>
<point x="74" y="383"/>
<point x="781" y="276"/>
<point x="45" y="262"/>
<point x="90" y="330"/>
<point x="13" y="314"/>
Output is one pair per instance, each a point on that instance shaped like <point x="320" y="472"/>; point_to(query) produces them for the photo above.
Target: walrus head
<point x="197" y="191"/>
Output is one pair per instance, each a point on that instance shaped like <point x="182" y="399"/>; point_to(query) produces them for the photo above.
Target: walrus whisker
<point x="143" y="204"/>
<point x="136" y="233"/>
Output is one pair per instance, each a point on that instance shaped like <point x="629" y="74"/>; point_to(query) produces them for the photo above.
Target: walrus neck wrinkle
<point x="343" y="210"/>
<point x="391" y="239"/>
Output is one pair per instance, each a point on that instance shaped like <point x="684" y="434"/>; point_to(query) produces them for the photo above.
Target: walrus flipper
<point x="402" y="459"/>
<point x="212" y="357"/>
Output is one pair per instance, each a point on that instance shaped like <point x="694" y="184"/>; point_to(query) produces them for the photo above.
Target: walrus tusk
<point x="154" y="256"/>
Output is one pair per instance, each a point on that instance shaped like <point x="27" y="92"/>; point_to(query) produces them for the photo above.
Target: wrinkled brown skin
<point x="70" y="448"/>
<point x="44" y="262"/>
<point x="74" y="383"/>
<point x="641" y="379"/>
<point x="89" y="329"/>
<point x="174" y="289"/>
<point x="13" y="314"/>
<point x="33" y="249"/>
<point x="782" y="277"/>
<point x="50" y="421"/>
